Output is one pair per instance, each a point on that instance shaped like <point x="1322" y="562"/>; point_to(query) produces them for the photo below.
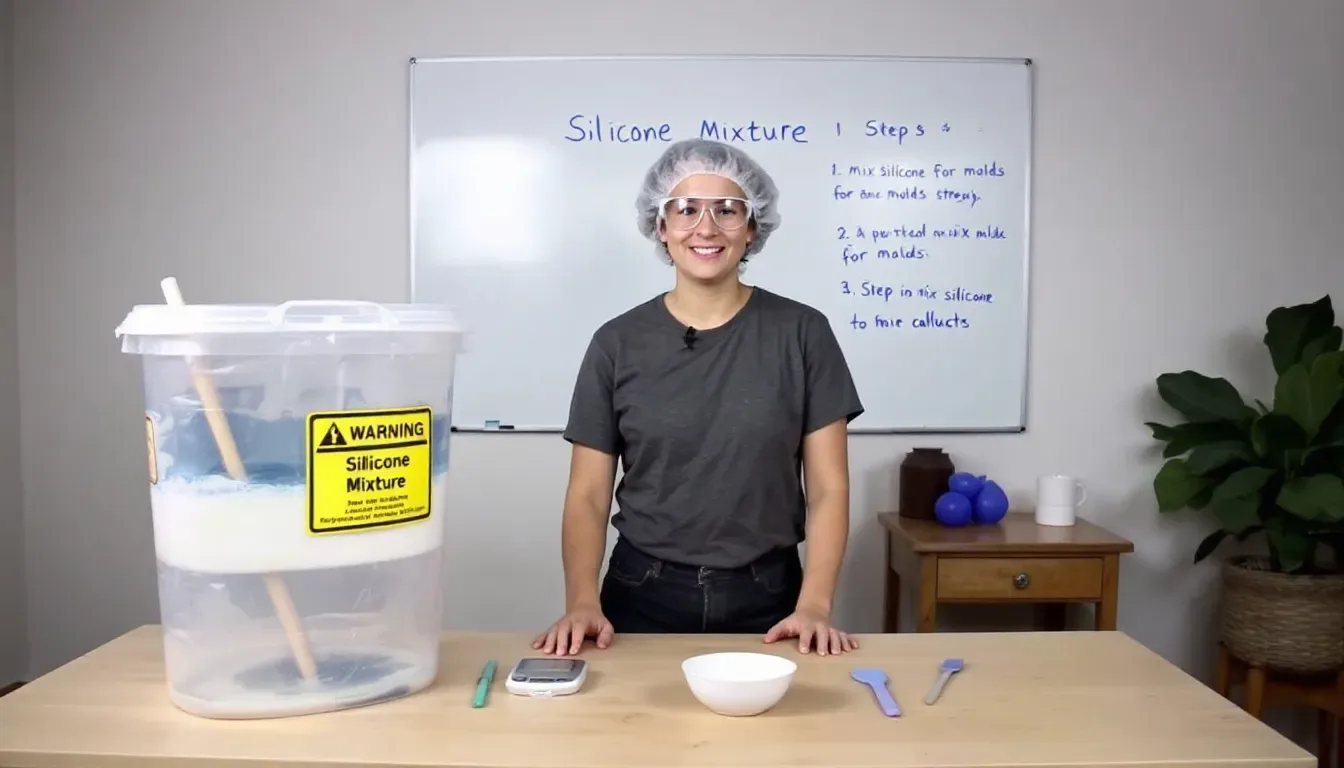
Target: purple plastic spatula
<point x="876" y="679"/>
<point x="949" y="668"/>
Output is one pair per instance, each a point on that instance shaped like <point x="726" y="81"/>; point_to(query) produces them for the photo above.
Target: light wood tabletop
<point x="1016" y="534"/>
<point x="1054" y="699"/>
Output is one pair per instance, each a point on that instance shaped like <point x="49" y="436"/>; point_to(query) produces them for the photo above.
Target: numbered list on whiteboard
<point x="918" y="236"/>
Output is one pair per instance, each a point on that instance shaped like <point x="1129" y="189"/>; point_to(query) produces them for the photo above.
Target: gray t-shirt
<point x="710" y="436"/>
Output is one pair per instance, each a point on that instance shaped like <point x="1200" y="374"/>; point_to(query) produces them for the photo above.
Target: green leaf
<point x="1249" y="532"/>
<point x="1202" y="398"/>
<point x="1292" y="548"/>
<point x="1180" y="438"/>
<point x="1212" y="456"/>
<point x="1209" y="544"/>
<point x="1244" y="482"/>
<point x="1322" y="460"/>
<point x="1310" y="391"/>
<point x="1175" y="486"/>
<point x="1236" y="514"/>
<point x="1236" y="502"/>
<point x="1201" y="500"/>
<point x="1331" y="430"/>
<point x="1318" y="497"/>
<point x="1278" y="439"/>
<point x="1327" y="342"/>
<point x="1290" y="330"/>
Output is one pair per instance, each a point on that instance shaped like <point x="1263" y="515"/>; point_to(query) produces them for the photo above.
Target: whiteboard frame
<point x="854" y="429"/>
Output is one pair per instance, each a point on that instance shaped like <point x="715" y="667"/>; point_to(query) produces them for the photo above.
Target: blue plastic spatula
<point x="876" y="679"/>
<point x="949" y="668"/>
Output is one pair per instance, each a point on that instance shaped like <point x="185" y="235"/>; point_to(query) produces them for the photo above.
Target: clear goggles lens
<point x="728" y="213"/>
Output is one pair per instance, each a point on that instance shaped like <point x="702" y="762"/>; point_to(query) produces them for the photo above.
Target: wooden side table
<point x="1016" y="561"/>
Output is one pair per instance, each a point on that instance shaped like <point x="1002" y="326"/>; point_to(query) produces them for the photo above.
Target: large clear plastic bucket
<point x="297" y="456"/>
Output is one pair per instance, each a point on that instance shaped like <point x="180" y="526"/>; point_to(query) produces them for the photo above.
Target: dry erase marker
<point x="483" y="684"/>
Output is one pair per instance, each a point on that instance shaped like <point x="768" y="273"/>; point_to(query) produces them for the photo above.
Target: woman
<point x="714" y="396"/>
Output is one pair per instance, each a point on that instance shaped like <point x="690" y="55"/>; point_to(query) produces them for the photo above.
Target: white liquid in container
<point x="219" y="525"/>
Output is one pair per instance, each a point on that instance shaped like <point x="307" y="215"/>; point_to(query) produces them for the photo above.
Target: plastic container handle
<point x="365" y="308"/>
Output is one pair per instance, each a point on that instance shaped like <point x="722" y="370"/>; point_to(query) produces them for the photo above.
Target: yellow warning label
<point x="368" y="469"/>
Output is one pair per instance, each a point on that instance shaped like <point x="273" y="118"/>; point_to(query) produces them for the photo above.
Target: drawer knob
<point x="1021" y="581"/>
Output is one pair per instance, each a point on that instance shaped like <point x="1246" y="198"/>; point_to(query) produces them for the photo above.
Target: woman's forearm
<point x="583" y="543"/>
<point x="827" y="537"/>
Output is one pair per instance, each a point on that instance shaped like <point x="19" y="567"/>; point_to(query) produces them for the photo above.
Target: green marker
<point x="483" y="685"/>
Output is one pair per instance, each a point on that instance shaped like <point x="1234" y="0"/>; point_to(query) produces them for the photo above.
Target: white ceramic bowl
<point x="739" y="684"/>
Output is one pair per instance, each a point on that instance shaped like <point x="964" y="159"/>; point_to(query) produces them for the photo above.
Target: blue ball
<point x="991" y="505"/>
<point x="952" y="509"/>
<point x="966" y="484"/>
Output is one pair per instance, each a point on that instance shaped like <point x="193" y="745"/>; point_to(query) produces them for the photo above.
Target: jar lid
<point x="153" y="328"/>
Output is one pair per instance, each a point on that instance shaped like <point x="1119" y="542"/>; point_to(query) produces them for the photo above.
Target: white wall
<point x="1189" y="177"/>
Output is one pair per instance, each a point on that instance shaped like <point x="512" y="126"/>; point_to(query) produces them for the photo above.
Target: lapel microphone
<point x="689" y="338"/>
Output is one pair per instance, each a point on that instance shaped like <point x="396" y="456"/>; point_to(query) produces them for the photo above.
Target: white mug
<point x="1058" y="498"/>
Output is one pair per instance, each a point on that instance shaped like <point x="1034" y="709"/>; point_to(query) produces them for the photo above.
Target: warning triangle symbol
<point x="333" y="437"/>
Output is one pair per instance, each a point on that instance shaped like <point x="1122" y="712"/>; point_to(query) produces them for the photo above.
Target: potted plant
<point x="1274" y="472"/>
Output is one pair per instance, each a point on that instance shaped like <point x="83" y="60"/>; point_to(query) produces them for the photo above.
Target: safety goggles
<point x="684" y="213"/>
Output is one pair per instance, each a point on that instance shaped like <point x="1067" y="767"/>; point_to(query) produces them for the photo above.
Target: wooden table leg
<point x="1256" y="677"/>
<point x="1223" y="681"/>
<point x="891" y="611"/>
<point x="1325" y="739"/>
<point x="1339" y="739"/>
<point x="1334" y="723"/>
<point x="928" y="593"/>
<point x="1108" y="607"/>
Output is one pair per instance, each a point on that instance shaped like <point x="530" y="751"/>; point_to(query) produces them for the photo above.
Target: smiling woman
<point x="704" y="226"/>
<point x="707" y="395"/>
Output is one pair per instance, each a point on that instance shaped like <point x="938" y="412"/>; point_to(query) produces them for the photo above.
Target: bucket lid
<point x="203" y="323"/>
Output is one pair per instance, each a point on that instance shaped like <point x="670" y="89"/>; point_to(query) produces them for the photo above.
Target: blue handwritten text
<point x="752" y="132"/>
<point x="901" y="171"/>
<point x="596" y="128"/>
<point x="851" y="255"/>
<point x="930" y="320"/>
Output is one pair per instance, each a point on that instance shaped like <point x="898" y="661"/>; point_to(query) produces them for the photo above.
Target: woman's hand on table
<point x="814" y="632"/>
<point x="565" y="637"/>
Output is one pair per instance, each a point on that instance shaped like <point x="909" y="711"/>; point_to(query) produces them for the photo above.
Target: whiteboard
<point x="905" y="199"/>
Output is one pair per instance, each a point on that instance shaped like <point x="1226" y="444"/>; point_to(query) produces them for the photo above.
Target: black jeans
<point x="643" y="594"/>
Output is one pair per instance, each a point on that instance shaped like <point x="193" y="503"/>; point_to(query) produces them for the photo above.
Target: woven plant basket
<point x="1292" y="623"/>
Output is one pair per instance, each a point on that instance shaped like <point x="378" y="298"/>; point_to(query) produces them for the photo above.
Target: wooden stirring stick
<point x="233" y="463"/>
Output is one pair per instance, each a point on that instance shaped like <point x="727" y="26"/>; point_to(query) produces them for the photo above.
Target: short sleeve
<point x="592" y="414"/>
<point x="831" y="394"/>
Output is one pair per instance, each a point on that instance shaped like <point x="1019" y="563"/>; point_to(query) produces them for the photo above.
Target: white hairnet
<point x="695" y="156"/>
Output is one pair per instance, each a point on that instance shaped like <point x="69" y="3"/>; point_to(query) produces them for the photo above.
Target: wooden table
<point x="1055" y="699"/>
<point x="1016" y="561"/>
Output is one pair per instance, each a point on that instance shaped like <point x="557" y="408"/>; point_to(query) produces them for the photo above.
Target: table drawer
<point x="1019" y="578"/>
